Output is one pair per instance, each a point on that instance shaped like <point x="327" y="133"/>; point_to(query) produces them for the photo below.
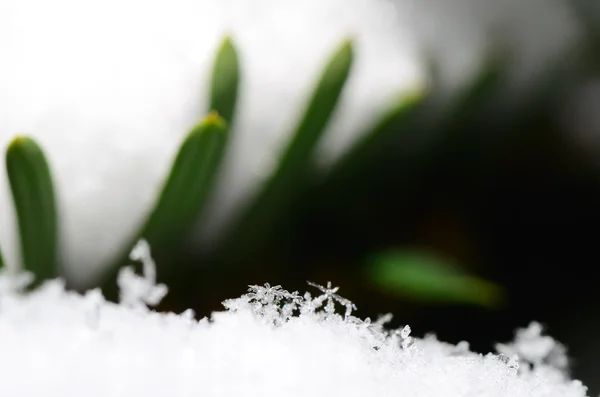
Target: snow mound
<point x="269" y="342"/>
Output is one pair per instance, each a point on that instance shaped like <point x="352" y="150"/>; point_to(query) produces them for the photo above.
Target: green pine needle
<point x="225" y="81"/>
<point x="431" y="278"/>
<point x="183" y="195"/>
<point x="33" y="194"/>
<point x="195" y="168"/>
<point x="190" y="180"/>
<point x="275" y="195"/>
<point x="474" y="94"/>
<point x="394" y="121"/>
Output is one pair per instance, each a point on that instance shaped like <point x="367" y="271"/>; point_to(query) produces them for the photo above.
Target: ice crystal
<point x="138" y="291"/>
<point x="407" y="340"/>
<point x="330" y="295"/>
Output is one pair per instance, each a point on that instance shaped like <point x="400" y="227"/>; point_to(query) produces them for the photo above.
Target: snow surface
<point x="110" y="88"/>
<point x="269" y="342"/>
<point x="56" y="343"/>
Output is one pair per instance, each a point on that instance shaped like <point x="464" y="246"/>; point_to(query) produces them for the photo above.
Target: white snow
<point x="269" y="342"/>
<point x="110" y="87"/>
<point x="135" y="290"/>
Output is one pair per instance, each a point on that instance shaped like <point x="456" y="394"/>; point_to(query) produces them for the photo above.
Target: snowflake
<point x="269" y="295"/>
<point x="139" y="291"/>
<point x="274" y="304"/>
<point x="403" y="336"/>
<point x="330" y="295"/>
<point x="277" y="306"/>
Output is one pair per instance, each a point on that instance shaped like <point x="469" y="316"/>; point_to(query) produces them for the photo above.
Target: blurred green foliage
<point x="425" y="276"/>
<point x="423" y="132"/>
<point x="274" y="198"/>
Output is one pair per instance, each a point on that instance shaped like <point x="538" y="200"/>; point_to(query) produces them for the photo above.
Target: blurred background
<point x="470" y="216"/>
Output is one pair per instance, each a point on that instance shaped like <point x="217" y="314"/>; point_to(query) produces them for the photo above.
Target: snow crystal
<point x="58" y="343"/>
<point x="330" y="295"/>
<point x="136" y="291"/>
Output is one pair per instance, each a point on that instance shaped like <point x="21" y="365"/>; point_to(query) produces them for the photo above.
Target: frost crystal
<point x="136" y="291"/>
<point x="511" y="362"/>
<point x="407" y="340"/>
<point x="404" y="334"/>
<point x="330" y="295"/>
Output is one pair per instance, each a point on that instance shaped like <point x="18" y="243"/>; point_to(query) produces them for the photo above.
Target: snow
<point x="110" y="87"/>
<point x="536" y="33"/>
<point x="140" y="290"/>
<point x="268" y="342"/>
